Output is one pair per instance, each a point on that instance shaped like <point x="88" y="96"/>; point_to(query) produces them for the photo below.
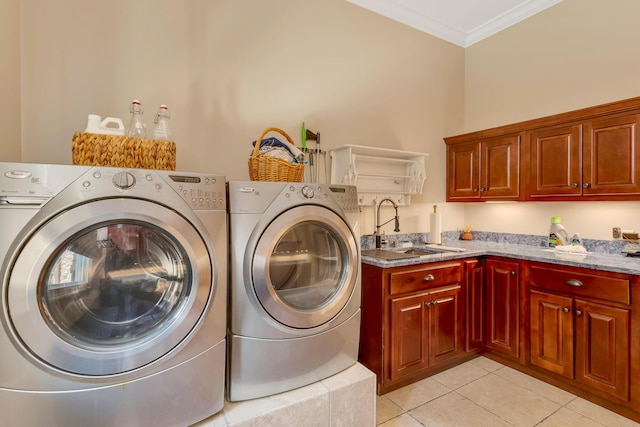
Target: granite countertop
<point x="614" y="262"/>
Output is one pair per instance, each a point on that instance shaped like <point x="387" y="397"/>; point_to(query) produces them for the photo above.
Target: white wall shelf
<point x="378" y="173"/>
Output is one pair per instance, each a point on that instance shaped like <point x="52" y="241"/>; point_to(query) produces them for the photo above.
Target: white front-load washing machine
<point x="294" y="306"/>
<point x="114" y="296"/>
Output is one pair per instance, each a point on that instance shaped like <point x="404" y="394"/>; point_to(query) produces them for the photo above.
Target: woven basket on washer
<point x="267" y="168"/>
<point x="122" y="151"/>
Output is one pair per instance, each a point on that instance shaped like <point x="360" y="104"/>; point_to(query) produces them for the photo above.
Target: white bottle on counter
<point x="557" y="234"/>
<point x="576" y="240"/>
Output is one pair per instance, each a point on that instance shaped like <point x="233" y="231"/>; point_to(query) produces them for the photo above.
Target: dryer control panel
<point x="345" y="195"/>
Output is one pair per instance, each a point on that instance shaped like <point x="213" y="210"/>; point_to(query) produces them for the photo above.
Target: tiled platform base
<point x="345" y="399"/>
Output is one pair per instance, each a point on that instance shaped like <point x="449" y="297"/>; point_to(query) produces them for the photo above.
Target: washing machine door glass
<point x="109" y="286"/>
<point x="114" y="284"/>
<point x="305" y="266"/>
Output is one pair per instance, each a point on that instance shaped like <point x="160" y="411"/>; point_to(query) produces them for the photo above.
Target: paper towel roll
<point x="435" y="231"/>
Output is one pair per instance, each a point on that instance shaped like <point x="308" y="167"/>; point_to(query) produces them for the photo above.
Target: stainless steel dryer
<point x="114" y="296"/>
<point x="294" y="311"/>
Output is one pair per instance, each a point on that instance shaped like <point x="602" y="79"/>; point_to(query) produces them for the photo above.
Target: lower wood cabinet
<point x="474" y="304"/>
<point x="420" y="310"/>
<point x="574" y="327"/>
<point x="503" y="307"/>
<point x="580" y="327"/>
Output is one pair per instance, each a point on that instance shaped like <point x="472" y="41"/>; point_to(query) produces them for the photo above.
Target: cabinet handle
<point x="586" y="185"/>
<point x="513" y="273"/>
<point x="574" y="282"/>
<point x="427" y="303"/>
<point x="429" y="278"/>
<point x="475" y="190"/>
<point x="578" y="312"/>
<point x="574" y="185"/>
<point x="482" y="189"/>
<point x="566" y="309"/>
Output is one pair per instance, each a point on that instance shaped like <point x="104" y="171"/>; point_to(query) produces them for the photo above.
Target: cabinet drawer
<point x="424" y="277"/>
<point x="586" y="285"/>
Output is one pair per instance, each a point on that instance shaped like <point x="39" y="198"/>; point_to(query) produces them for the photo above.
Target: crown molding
<point x="400" y="11"/>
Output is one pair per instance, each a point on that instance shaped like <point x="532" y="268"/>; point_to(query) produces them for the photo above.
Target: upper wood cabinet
<point x="484" y="170"/>
<point x="592" y="160"/>
<point x="588" y="154"/>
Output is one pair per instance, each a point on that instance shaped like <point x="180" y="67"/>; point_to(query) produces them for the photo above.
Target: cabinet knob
<point x="429" y="278"/>
<point x="586" y="185"/>
<point x="578" y="312"/>
<point x="574" y="282"/>
<point x="513" y="273"/>
<point x="566" y="309"/>
<point x="427" y="303"/>
<point x="475" y="189"/>
<point x="574" y="185"/>
<point x="482" y="189"/>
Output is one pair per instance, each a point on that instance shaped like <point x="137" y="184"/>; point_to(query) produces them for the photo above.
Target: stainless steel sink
<point x="387" y="254"/>
<point x="408" y="253"/>
<point x="421" y="251"/>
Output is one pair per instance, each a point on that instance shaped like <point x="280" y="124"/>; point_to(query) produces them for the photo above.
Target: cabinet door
<point x="552" y="332"/>
<point x="446" y="317"/>
<point x="602" y="347"/>
<point x="555" y="156"/>
<point x="409" y="335"/>
<point x="500" y="168"/>
<point x="502" y="293"/>
<point x="463" y="171"/>
<point x="474" y="310"/>
<point x="612" y="156"/>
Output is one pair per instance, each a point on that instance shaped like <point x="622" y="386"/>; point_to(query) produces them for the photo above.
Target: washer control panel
<point x="201" y="191"/>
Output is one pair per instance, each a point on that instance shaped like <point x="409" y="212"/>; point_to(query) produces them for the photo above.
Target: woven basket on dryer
<point x="268" y="168"/>
<point x="122" y="151"/>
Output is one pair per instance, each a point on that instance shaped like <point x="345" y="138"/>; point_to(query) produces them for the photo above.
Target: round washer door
<point x="109" y="286"/>
<point x="304" y="267"/>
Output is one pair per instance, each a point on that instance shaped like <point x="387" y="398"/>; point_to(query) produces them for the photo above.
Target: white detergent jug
<point x="108" y="126"/>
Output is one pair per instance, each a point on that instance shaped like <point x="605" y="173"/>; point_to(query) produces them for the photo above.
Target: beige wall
<point x="575" y="54"/>
<point x="355" y="76"/>
<point x="227" y="69"/>
<point x="10" y="78"/>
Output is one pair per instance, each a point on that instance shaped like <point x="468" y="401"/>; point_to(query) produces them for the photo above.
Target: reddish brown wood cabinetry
<point x="580" y="327"/>
<point x="555" y="156"/>
<point x="588" y="154"/>
<point x="503" y="307"/>
<point x="592" y="160"/>
<point x="412" y="321"/>
<point x="475" y="305"/>
<point x="484" y="170"/>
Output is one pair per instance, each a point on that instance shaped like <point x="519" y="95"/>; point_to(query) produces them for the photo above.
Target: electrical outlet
<point x="617" y="233"/>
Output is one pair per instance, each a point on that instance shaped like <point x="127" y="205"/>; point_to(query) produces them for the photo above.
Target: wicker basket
<point x="267" y="168"/>
<point x="123" y="152"/>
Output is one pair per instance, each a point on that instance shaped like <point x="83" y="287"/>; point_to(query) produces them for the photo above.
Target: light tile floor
<point x="482" y="392"/>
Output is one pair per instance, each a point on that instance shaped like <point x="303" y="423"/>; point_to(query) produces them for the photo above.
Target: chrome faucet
<point x="378" y="225"/>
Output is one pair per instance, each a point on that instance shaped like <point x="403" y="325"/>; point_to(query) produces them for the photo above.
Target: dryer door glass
<point x="308" y="265"/>
<point x="305" y="266"/>
<point x="114" y="284"/>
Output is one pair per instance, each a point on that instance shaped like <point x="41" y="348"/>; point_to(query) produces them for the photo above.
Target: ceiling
<point x="462" y="22"/>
